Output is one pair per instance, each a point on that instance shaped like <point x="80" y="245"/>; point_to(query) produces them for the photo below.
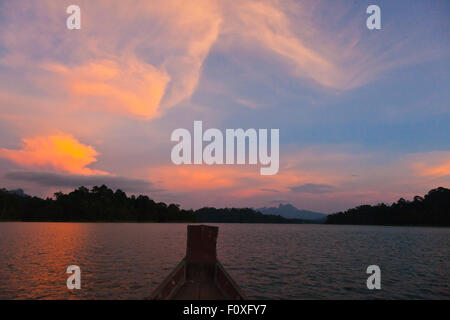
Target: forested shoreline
<point x="101" y="204"/>
<point x="431" y="210"/>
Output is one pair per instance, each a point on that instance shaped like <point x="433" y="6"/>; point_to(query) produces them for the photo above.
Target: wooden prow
<point x="200" y="275"/>
<point x="201" y="244"/>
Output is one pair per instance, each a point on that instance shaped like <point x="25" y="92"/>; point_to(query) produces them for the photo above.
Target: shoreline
<point x="203" y="222"/>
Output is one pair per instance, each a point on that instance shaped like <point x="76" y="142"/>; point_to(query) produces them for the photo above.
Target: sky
<point x="364" y="115"/>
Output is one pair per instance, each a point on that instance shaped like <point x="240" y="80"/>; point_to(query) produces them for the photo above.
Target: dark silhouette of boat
<point x="200" y="275"/>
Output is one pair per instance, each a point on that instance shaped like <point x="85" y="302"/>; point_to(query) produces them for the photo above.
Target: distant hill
<point x="290" y="212"/>
<point x="19" y="192"/>
<point x="239" y="215"/>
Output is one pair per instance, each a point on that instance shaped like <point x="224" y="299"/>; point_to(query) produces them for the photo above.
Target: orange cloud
<point x="439" y="170"/>
<point x="232" y="181"/>
<point x="60" y="152"/>
<point x="190" y="177"/>
<point x="144" y="58"/>
<point x="432" y="164"/>
<point x="148" y="62"/>
<point x="129" y="87"/>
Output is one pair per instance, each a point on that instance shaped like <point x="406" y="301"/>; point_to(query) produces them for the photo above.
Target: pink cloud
<point x="101" y="66"/>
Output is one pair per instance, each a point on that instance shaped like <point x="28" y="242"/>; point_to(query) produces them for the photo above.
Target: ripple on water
<point x="127" y="261"/>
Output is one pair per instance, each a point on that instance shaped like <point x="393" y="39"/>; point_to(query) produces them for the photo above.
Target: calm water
<point x="127" y="260"/>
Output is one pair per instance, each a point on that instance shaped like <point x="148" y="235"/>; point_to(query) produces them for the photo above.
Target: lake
<point x="269" y="261"/>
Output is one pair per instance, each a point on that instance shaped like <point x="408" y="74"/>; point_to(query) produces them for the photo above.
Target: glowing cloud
<point x="439" y="170"/>
<point x="239" y="180"/>
<point x="132" y="87"/>
<point x="432" y="164"/>
<point x="59" y="152"/>
<point x="140" y="58"/>
<point x="179" y="178"/>
<point x="150" y="63"/>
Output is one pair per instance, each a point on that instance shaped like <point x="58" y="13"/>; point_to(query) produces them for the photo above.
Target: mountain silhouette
<point x="290" y="212"/>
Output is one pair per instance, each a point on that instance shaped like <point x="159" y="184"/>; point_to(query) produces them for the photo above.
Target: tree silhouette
<point x="104" y="204"/>
<point x="431" y="210"/>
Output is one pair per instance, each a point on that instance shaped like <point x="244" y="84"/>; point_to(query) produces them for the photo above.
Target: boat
<point x="199" y="275"/>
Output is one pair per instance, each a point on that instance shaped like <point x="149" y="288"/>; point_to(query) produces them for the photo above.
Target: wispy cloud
<point x="269" y="190"/>
<point x="141" y="58"/>
<point x="151" y="62"/>
<point x="314" y="188"/>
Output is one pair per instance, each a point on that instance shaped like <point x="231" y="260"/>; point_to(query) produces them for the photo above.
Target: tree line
<point x="431" y="210"/>
<point x="103" y="204"/>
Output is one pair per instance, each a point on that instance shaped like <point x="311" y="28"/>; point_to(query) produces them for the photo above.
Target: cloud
<point x="49" y="179"/>
<point x="278" y="201"/>
<point x="314" y="167"/>
<point x="60" y="152"/>
<point x="269" y="190"/>
<point x="314" y="188"/>
<point x="183" y="178"/>
<point x="127" y="87"/>
<point x="267" y="25"/>
<point x="431" y="164"/>
<point x="439" y="170"/>
<point x="323" y="178"/>
<point x="135" y="58"/>
<point x="324" y="41"/>
<point x="141" y="58"/>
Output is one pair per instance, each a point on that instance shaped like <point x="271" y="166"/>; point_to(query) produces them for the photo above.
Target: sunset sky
<point x="364" y="115"/>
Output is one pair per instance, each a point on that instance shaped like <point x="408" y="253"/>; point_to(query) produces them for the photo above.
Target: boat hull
<point x="200" y="275"/>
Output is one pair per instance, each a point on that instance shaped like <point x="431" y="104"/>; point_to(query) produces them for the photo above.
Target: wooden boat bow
<point x="200" y="275"/>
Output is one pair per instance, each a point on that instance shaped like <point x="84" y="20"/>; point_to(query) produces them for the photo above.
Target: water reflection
<point x="126" y="261"/>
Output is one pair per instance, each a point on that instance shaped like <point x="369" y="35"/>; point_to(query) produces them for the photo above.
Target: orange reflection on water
<point x="38" y="255"/>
